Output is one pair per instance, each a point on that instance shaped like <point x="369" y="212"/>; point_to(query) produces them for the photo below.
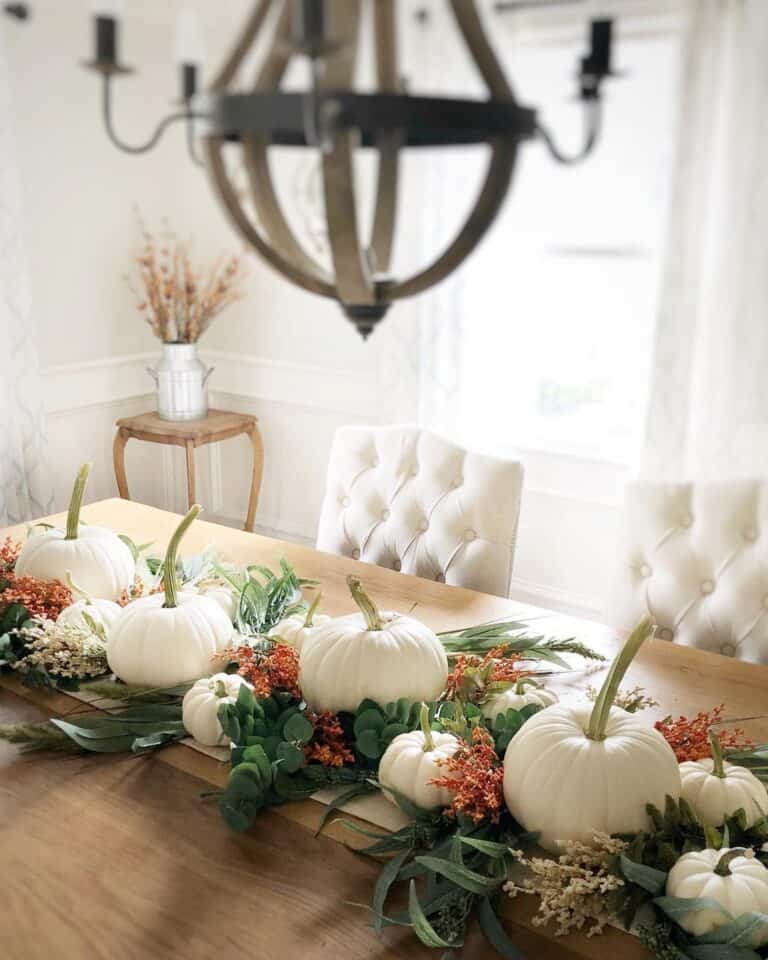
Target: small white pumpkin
<point x="299" y="627"/>
<point x="574" y="771"/>
<point x="200" y="707"/>
<point x="734" y="878"/>
<point x="96" y="557"/>
<point x="102" y="612"/>
<point x="171" y="637"/>
<point x="222" y="593"/>
<point x="412" y="760"/>
<point x="383" y="656"/>
<point x="518" y="695"/>
<point x="716" y="789"/>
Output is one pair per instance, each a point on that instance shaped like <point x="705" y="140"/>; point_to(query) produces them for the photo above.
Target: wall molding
<point x="106" y="380"/>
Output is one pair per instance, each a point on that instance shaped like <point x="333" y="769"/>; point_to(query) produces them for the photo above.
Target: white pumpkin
<point x="518" y="695"/>
<point x="716" y="789"/>
<point x="412" y="760"/>
<point x="734" y="878"/>
<point x="222" y="593"/>
<point x="97" y="558"/>
<point x="299" y="627"/>
<point x="200" y="707"/>
<point x="383" y="656"/>
<point x="104" y="613"/>
<point x="574" y="771"/>
<point x="171" y="637"/>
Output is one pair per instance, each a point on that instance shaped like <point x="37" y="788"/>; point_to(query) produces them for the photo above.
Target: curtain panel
<point x="708" y="408"/>
<point x="25" y="480"/>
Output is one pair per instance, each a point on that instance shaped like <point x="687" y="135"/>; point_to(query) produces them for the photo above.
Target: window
<point x="558" y="306"/>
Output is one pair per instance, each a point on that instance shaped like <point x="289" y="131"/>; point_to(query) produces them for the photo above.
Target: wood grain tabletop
<point x="120" y="858"/>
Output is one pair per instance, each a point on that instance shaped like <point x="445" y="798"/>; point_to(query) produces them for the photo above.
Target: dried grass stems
<point x="178" y="299"/>
<point x="577" y="889"/>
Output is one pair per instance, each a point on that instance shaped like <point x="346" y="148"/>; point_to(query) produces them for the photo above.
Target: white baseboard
<point x="551" y="598"/>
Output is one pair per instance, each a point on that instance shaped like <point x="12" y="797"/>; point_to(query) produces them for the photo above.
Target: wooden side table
<point x="218" y="425"/>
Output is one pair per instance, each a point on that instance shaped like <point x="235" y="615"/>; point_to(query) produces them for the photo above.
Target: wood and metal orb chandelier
<point x="334" y="120"/>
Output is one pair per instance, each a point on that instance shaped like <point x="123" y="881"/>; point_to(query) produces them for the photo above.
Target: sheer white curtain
<point x="708" y="410"/>
<point x="25" y="487"/>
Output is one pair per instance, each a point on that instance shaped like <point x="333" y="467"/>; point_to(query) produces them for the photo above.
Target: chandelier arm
<point x="351" y="263"/>
<point x="486" y="61"/>
<point x="497" y="179"/>
<point x="233" y="207"/>
<point x="194" y="155"/>
<point x="239" y="51"/>
<point x="106" y="109"/>
<point x="268" y="209"/>
<point x="594" y="116"/>
<point x="388" y="143"/>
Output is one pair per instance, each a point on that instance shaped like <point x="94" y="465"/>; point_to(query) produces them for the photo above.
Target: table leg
<point x="258" y="467"/>
<point x="118" y="458"/>
<point x="190" y="449"/>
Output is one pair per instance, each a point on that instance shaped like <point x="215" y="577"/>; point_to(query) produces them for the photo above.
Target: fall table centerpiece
<point x="664" y="830"/>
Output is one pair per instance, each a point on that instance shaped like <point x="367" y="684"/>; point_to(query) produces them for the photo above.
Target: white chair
<point x="695" y="556"/>
<point x="410" y="500"/>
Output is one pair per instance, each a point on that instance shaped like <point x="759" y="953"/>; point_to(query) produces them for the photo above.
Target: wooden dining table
<point x="122" y="857"/>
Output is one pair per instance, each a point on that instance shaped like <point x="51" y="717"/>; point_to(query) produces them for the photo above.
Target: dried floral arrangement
<point x="466" y="755"/>
<point x="177" y="298"/>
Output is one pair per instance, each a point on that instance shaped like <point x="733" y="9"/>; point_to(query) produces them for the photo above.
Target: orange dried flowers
<point x="9" y="554"/>
<point x="689" y="738"/>
<point x="328" y="745"/>
<point x="476" y="779"/>
<point x="44" y="599"/>
<point x="276" y="670"/>
<point x="471" y="675"/>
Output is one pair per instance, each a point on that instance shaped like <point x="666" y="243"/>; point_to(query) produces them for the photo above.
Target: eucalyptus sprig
<point x="264" y="598"/>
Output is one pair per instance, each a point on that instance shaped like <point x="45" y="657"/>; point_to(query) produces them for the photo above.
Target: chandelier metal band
<point x="386" y="121"/>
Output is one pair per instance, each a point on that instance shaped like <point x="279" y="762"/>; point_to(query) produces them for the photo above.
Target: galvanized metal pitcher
<point x="181" y="379"/>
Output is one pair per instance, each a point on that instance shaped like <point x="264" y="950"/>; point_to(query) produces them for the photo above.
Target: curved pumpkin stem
<point x="78" y="591"/>
<point x="426" y="729"/>
<point x="170" y="580"/>
<point x="367" y="607"/>
<point x="524" y="682"/>
<point x="723" y="865"/>
<point x="718" y="768"/>
<point x="598" y="719"/>
<point x="312" y="611"/>
<point x="76" y="501"/>
<point x="220" y="689"/>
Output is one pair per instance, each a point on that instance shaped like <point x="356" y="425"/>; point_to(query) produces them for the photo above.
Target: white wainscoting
<point x="571" y="507"/>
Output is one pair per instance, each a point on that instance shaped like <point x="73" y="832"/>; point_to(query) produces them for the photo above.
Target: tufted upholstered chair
<point x="695" y="556"/>
<point x="410" y="500"/>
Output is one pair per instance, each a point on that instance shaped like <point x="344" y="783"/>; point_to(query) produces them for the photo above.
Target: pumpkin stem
<point x="718" y="769"/>
<point x="723" y="866"/>
<point x="598" y="719"/>
<point x="524" y="682"/>
<point x="170" y="581"/>
<point x="220" y="688"/>
<point x="76" y="501"/>
<point x="426" y="729"/>
<point x="312" y="611"/>
<point x="367" y="607"/>
<point x="78" y="591"/>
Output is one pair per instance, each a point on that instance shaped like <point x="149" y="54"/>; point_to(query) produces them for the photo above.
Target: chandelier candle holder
<point x="335" y="120"/>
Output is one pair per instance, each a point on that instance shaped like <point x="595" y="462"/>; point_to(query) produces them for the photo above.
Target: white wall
<point x="284" y="355"/>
